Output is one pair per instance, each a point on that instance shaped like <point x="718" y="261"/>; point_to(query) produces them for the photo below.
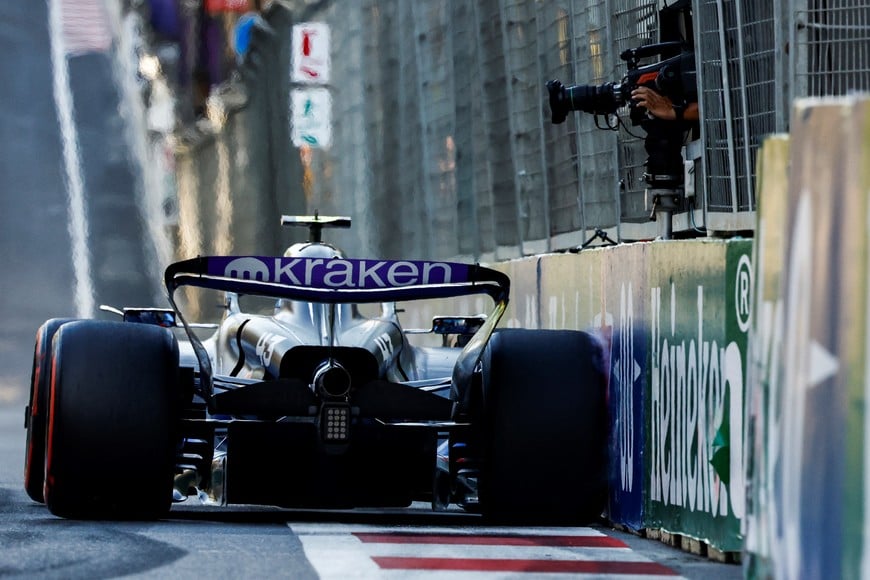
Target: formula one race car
<point x="315" y="405"/>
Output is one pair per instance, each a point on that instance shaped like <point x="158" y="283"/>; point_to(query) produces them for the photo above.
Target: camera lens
<point x="595" y="99"/>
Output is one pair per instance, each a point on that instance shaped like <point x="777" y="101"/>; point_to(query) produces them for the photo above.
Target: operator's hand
<point x="656" y="104"/>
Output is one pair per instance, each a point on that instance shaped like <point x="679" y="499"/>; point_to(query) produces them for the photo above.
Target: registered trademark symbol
<point x="742" y="292"/>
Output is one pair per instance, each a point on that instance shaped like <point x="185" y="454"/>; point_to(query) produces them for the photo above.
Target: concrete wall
<point x="808" y="459"/>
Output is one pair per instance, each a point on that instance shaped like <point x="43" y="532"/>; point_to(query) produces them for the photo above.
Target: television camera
<point x="674" y="77"/>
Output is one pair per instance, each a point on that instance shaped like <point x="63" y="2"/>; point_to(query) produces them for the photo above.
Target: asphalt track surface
<point x="253" y="542"/>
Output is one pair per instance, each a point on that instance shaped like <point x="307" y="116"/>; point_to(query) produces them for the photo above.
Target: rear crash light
<point x="335" y="423"/>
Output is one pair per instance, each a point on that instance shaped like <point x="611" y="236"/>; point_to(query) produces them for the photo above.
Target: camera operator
<point x="662" y="107"/>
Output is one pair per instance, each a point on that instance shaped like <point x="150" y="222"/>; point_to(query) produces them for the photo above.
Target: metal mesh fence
<point x="597" y="150"/>
<point x="635" y="24"/>
<point x="442" y="142"/>
<point x="759" y="77"/>
<point x="561" y="146"/>
<point x="462" y="158"/>
<point x="754" y="58"/>
<point x="738" y="80"/>
<point x="832" y="42"/>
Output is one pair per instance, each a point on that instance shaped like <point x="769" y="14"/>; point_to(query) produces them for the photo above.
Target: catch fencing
<point x="755" y="58"/>
<point x="442" y="145"/>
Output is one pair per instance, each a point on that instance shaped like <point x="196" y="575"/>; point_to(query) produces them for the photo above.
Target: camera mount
<point x="673" y="77"/>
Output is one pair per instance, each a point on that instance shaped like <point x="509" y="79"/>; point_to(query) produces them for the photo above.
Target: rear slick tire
<point x="112" y="421"/>
<point x="544" y="428"/>
<point x="37" y="409"/>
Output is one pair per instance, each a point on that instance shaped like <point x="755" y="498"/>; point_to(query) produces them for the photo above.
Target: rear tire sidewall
<point x="40" y="375"/>
<point x="112" y="421"/>
<point x="544" y="427"/>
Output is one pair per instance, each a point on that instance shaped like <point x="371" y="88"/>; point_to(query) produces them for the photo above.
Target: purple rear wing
<point x="337" y="280"/>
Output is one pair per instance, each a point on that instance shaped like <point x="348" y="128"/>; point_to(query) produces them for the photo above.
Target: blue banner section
<point x="627" y="387"/>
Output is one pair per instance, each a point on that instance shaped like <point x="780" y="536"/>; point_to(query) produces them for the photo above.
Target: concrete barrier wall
<point x="674" y="316"/>
<point x="809" y="459"/>
<point x="761" y="398"/>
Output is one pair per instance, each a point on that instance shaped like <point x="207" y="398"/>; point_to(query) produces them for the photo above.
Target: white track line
<point x="83" y="292"/>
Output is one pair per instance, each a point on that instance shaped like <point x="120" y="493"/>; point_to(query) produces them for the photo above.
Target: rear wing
<point x="341" y="280"/>
<point x="337" y="280"/>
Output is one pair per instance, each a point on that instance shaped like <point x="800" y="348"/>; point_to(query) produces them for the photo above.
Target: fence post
<point x="726" y="90"/>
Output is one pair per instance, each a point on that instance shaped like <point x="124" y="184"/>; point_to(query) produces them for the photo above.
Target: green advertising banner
<point x="699" y="310"/>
